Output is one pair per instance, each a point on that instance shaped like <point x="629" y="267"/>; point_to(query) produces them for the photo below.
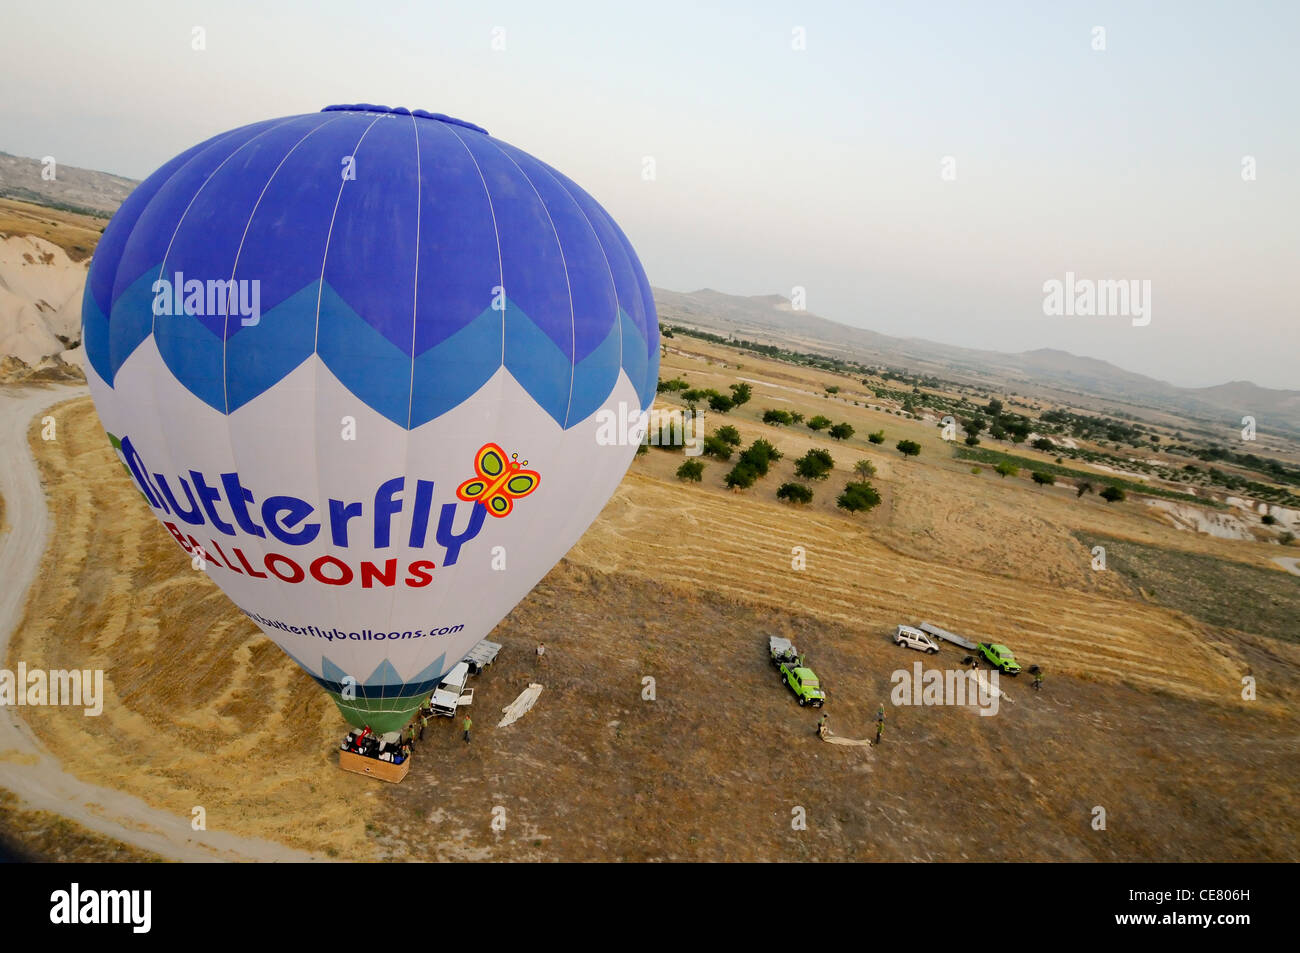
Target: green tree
<point x="742" y="476"/>
<point x="908" y="448"/>
<point x="1043" y="478"/>
<point x="759" y="456"/>
<point x="720" y="403"/>
<point x="1045" y="445"/>
<point x="728" y="434"/>
<point x="814" y="465"/>
<point x="794" y="493"/>
<point x="877" y="437"/>
<point x="864" y="468"/>
<point x="819" y="423"/>
<point x="1112" y="494"/>
<point x="715" y="446"/>
<point x="1082" y="488"/>
<point x="841" y="431"/>
<point x="692" y="470"/>
<point x="777" y="418"/>
<point x="858" y="496"/>
<point x="740" y="393"/>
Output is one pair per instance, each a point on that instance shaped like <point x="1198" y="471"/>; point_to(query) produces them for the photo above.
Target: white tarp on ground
<point x="986" y="687"/>
<point x="521" y="705"/>
<point x="837" y="740"/>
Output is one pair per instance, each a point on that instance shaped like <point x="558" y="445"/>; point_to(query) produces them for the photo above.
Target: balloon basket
<point x="373" y="767"/>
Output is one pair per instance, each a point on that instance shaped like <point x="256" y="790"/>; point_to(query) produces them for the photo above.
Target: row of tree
<point x="1111" y="494"/>
<point x="779" y="418"/>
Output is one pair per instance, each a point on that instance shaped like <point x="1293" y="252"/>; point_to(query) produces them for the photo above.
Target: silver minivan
<point x="915" y="639"/>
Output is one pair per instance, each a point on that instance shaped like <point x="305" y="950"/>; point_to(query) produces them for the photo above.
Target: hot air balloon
<point x="376" y="372"/>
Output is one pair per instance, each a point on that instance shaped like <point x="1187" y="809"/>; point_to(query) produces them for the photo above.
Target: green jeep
<point x="999" y="656"/>
<point x="804" y="683"/>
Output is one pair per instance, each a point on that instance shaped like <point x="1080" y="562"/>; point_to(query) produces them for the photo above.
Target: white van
<point x="912" y="638"/>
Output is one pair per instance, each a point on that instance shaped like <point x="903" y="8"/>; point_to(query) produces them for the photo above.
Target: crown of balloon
<point x="403" y="111"/>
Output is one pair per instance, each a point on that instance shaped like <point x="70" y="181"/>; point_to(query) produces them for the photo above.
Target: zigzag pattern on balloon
<point x="383" y="682"/>
<point x="228" y="374"/>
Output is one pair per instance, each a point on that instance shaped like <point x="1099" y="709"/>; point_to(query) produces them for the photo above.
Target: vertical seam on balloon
<point x="643" y="284"/>
<point x="329" y="234"/>
<point x="496" y="233"/>
<point x="320" y="286"/>
<point x="225" y="338"/>
<point x="573" y="334"/>
<point x="415" y="296"/>
<point x="410" y="403"/>
<point x="612" y="283"/>
<point x="162" y="268"/>
<point x="255" y="543"/>
<point x="162" y="429"/>
<point x="196" y="153"/>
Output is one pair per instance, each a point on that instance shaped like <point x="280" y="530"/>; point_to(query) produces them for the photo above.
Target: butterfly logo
<point x="499" y="482"/>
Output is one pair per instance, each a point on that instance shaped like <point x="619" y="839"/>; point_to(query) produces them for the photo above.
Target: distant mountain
<point x="771" y="319"/>
<point x="72" y="189"/>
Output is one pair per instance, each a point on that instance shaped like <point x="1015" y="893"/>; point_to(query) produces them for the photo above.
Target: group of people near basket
<point x="415" y="730"/>
<point x="366" y="743"/>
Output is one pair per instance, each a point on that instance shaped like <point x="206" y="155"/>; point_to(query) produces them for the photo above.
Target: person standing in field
<point x="424" y="723"/>
<point x="1038" y="680"/>
<point x="468" y="724"/>
<point x="822" y="725"/>
<point x="541" y="652"/>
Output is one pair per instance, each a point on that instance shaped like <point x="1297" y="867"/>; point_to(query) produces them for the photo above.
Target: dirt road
<point x="26" y="768"/>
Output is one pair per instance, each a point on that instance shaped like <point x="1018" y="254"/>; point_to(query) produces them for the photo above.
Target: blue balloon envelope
<point x="375" y="371"/>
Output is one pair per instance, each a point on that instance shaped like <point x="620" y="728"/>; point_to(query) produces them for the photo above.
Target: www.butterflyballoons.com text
<point x="365" y="635"/>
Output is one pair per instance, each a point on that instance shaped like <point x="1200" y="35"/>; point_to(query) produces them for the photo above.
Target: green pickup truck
<point x="798" y="677"/>
<point x="1000" y="657"/>
<point x="804" y="683"/>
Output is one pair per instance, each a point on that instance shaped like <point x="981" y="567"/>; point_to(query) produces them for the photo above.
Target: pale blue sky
<point x="775" y="167"/>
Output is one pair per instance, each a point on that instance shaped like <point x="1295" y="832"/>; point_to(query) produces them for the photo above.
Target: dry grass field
<point x="77" y="234"/>
<point x="1141" y="712"/>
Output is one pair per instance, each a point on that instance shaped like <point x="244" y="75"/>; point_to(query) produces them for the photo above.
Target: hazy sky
<point x="779" y="167"/>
